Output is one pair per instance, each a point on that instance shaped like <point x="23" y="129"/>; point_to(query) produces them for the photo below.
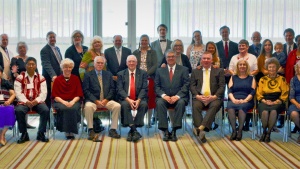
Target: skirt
<point x="151" y="94"/>
<point x="263" y="107"/>
<point x="7" y="116"/>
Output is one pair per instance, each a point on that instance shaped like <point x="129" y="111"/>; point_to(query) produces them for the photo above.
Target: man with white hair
<point x="5" y="56"/>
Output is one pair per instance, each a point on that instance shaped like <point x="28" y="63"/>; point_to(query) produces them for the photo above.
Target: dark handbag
<point x="272" y="96"/>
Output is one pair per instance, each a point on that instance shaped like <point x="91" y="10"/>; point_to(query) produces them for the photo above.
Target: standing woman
<point x="196" y="49"/>
<point x="292" y="59"/>
<point x="87" y="62"/>
<point x="67" y="92"/>
<point x="17" y="63"/>
<point x="272" y="92"/>
<point x="7" y="115"/>
<point x="212" y="48"/>
<point x="265" y="54"/>
<point x="147" y="61"/>
<point x="76" y="50"/>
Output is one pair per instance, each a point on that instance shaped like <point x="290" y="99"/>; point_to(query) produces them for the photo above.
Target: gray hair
<point x="66" y="61"/>
<point x="77" y="32"/>
<point x="169" y="51"/>
<point x="21" y="43"/>
<point x="272" y="60"/>
<point x="49" y="33"/>
<point x="131" y="56"/>
<point x="2" y="35"/>
<point x="95" y="39"/>
<point x="99" y="57"/>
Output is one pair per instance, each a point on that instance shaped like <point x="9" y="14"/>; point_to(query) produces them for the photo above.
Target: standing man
<point x="255" y="48"/>
<point x="99" y="91"/>
<point x="226" y="49"/>
<point x="207" y="88"/>
<point x="132" y="90"/>
<point x="51" y="58"/>
<point x="31" y="93"/>
<point x="289" y="35"/>
<point x="116" y="56"/>
<point x="172" y="89"/>
<point x="5" y="56"/>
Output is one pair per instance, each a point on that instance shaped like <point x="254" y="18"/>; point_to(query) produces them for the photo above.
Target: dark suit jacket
<point x="185" y="62"/>
<point x="156" y="46"/>
<point x="233" y="50"/>
<point x="179" y="85"/>
<point x="50" y="65"/>
<point x="151" y="61"/>
<point x="112" y="60"/>
<point x="91" y="86"/>
<point x="72" y="53"/>
<point x="217" y="82"/>
<point x="141" y="84"/>
<point x="284" y="49"/>
<point x="253" y="51"/>
<point x="1" y="61"/>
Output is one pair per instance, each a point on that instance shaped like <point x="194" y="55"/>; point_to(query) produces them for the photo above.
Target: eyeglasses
<point x="178" y="46"/>
<point x="78" y="37"/>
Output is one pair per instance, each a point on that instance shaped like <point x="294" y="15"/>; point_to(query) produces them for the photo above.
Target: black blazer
<point x="91" y="86"/>
<point x="141" y="84"/>
<point x="50" y="65"/>
<point x="151" y="61"/>
<point x="185" y="62"/>
<point x="179" y="86"/>
<point x="112" y="60"/>
<point x="284" y="49"/>
<point x="72" y="53"/>
<point x="233" y="50"/>
<point x="253" y="51"/>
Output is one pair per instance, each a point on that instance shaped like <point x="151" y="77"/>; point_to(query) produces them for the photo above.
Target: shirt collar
<point x="131" y="71"/>
<point x="27" y="75"/>
<point x="98" y="72"/>
<point x="117" y="48"/>
<point x="173" y="67"/>
<point x="209" y="69"/>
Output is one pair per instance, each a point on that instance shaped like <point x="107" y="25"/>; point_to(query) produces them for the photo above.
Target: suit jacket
<point x="72" y="53"/>
<point x="151" y="61"/>
<point x="3" y="57"/>
<point x="91" y="86"/>
<point x="233" y="50"/>
<point x="217" y="82"/>
<point x="252" y="50"/>
<point x="179" y="85"/>
<point x="112" y="60"/>
<point x="185" y="62"/>
<point x="50" y="65"/>
<point x="156" y="46"/>
<point x="284" y="49"/>
<point x="141" y="84"/>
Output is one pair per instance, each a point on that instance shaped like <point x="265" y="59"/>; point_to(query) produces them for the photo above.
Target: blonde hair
<point x="96" y="39"/>
<point x="174" y="43"/>
<point x="237" y="67"/>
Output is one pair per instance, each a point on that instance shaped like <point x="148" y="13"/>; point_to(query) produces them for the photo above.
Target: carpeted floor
<point x="151" y="151"/>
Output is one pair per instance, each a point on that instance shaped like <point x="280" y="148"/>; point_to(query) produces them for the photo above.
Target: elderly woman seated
<point x="272" y="93"/>
<point x="67" y="92"/>
<point x="294" y="108"/>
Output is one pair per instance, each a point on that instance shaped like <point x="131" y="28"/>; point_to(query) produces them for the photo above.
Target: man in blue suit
<point x="99" y="91"/>
<point x="223" y="46"/>
<point x="255" y="48"/>
<point x="116" y="56"/>
<point x="289" y="35"/>
<point x="132" y="90"/>
<point x="172" y="89"/>
<point x="50" y="58"/>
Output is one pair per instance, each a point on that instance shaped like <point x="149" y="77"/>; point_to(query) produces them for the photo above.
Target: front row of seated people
<point x="206" y="85"/>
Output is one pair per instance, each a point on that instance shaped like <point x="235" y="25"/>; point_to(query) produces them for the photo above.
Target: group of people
<point x="153" y="79"/>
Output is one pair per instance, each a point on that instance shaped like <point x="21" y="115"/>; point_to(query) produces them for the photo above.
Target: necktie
<point x="119" y="56"/>
<point x="226" y="49"/>
<point x="6" y="51"/>
<point x="163" y="40"/>
<point x="290" y="48"/>
<point x="206" y="84"/>
<point x="57" y="54"/>
<point x="101" y="86"/>
<point x="132" y="87"/>
<point x="257" y="51"/>
<point x="171" y="74"/>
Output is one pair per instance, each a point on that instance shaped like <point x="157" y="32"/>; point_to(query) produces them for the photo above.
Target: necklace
<point x="242" y="58"/>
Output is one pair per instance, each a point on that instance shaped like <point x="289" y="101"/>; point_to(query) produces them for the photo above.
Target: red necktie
<point x="226" y="49"/>
<point x="171" y="74"/>
<point x="132" y="87"/>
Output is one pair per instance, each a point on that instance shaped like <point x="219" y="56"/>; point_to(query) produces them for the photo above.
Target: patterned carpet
<point x="151" y="151"/>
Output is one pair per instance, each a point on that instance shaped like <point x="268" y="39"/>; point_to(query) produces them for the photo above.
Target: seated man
<point x="207" y="88"/>
<point x="31" y="92"/>
<point x="132" y="94"/>
<point x="172" y="89"/>
<point x="99" y="90"/>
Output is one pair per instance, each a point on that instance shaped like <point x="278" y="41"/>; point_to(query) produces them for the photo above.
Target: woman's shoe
<point x="233" y="135"/>
<point x="262" y="137"/>
<point x="3" y="142"/>
<point x="267" y="139"/>
<point x="239" y="136"/>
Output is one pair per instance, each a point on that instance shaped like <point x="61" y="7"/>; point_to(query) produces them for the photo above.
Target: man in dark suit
<point x="132" y="90"/>
<point x="172" y="89"/>
<point x="289" y="35"/>
<point x="255" y="48"/>
<point x="99" y="91"/>
<point x="162" y="44"/>
<point x="50" y="58"/>
<point x="226" y="51"/>
<point x="116" y="56"/>
<point x="207" y="88"/>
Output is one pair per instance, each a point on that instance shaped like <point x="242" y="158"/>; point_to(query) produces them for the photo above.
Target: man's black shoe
<point x="295" y="129"/>
<point x="41" y="137"/>
<point x="113" y="133"/>
<point x="136" y="136"/>
<point x="24" y="138"/>
<point x="173" y="136"/>
<point x="280" y="126"/>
